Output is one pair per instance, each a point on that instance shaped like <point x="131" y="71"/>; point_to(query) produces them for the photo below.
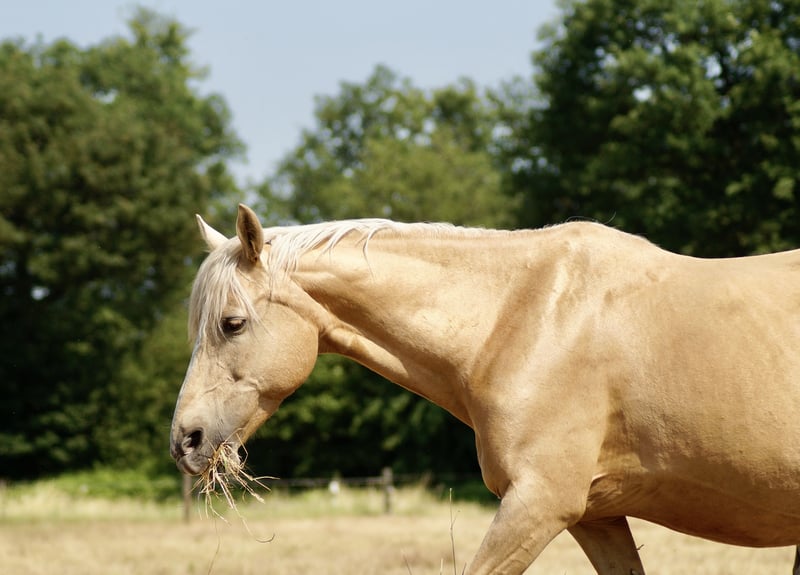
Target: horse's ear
<point x="250" y="233"/>
<point x="212" y="237"/>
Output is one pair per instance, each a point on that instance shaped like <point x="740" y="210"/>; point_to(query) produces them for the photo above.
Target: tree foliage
<point x="679" y="120"/>
<point x="388" y="149"/>
<point x="104" y="154"/>
<point x="348" y="420"/>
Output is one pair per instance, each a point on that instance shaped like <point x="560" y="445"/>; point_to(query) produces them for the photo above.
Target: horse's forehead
<point x="249" y="282"/>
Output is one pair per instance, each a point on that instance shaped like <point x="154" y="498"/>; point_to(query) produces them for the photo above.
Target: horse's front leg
<point x="609" y="546"/>
<point x="525" y="523"/>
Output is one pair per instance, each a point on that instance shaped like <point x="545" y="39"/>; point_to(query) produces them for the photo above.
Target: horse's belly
<point x="751" y="515"/>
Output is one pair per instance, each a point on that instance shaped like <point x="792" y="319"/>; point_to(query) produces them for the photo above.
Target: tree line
<point x="676" y="120"/>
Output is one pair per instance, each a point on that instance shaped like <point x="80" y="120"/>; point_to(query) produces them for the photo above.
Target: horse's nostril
<point x="192" y="440"/>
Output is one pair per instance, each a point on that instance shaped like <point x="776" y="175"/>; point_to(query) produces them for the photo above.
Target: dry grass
<point x="226" y="473"/>
<point x="314" y="533"/>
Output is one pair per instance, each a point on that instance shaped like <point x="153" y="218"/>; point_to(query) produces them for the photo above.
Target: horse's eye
<point x="233" y="325"/>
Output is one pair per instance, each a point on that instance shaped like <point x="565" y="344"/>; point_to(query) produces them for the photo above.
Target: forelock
<point x="216" y="282"/>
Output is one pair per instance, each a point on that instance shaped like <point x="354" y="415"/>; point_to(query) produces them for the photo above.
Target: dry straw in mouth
<point x="225" y="470"/>
<point x="225" y="473"/>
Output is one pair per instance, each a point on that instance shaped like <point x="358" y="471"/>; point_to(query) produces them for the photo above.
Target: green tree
<point x="388" y="149"/>
<point x="675" y="119"/>
<point x="348" y="420"/>
<point x="138" y="406"/>
<point x="105" y="153"/>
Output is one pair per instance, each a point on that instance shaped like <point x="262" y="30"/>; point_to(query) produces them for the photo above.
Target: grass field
<point x="45" y="531"/>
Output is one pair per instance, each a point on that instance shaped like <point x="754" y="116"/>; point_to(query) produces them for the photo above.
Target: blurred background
<point x="676" y="120"/>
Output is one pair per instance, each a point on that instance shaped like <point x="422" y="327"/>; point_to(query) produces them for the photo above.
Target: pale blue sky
<point x="269" y="59"/>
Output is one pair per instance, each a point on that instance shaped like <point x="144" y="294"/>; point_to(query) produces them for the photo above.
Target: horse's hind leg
<point x="609" y="546"/>
<point x="796" y="568"/>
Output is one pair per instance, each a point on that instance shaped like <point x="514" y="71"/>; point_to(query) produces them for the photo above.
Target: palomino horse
<point x="603" y="376"/>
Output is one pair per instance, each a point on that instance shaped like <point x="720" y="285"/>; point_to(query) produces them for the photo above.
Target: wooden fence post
<point x="387" y="482"/>
<point x="186" y="489"/>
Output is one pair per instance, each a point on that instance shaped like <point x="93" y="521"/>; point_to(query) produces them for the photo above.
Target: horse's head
<point x="253" y="345"/>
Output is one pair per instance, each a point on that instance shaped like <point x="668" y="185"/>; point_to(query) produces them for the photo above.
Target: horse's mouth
<point x="197" y="461"/>
<point x="195" y="452"/>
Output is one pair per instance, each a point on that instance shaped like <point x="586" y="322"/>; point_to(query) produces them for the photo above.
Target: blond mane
<point x="217" y="279"/>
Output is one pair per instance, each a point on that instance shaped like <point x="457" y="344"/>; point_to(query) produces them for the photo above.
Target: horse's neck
<point x="444" y="316"/>
<point x="415" y="311"/>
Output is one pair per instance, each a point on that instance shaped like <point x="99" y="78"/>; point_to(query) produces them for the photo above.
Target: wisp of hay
<point x="225" y="473"/>
<point x="226" y="469"/>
